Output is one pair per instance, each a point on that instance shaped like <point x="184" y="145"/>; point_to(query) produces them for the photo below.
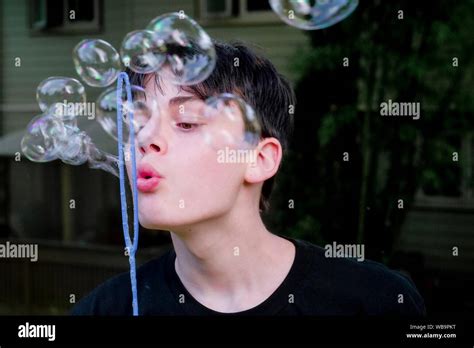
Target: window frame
<point x="205" y="14"/>
<point x="67" y="28"/>
<point x="244" y="17"/>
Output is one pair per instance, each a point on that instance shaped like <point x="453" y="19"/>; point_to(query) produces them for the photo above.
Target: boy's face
<point x="194" y="186"/>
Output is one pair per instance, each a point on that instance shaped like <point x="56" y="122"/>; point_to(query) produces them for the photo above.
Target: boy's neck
<point x="232" y="264"/>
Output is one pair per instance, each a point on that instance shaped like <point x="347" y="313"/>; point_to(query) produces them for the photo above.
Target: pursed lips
<point x="148" y="178"/>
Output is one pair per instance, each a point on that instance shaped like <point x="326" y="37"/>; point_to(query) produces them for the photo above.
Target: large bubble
<point x="189" y="51"/>
<point x="142" y="51"/>
<point x="57" y="91"/>
<point x="223" y="121"/>
<point x="143" y="105"/>
<point x="73" y="149"/>
<point x="38" y="143"/>
<point x="66" y="112"/>
<point x="313" y="14"/>
<point x="97" y="62"/>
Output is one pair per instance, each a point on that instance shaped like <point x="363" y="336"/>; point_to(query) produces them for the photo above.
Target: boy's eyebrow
<point x="181" y="100"/>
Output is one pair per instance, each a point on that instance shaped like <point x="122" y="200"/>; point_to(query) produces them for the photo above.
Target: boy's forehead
<point x="164" y="90"/>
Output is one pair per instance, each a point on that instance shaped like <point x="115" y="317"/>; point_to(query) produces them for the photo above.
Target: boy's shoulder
<point x="358" y="287"/>
<point x="114" y="296"/>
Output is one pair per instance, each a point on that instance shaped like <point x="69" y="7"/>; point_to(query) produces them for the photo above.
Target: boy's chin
<point x="153" y="225"/>
<point x="164" y="224"/>
<point x="182" y="220"/>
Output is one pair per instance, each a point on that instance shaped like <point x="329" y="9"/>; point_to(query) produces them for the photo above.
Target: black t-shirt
<point x="315" y="285"/>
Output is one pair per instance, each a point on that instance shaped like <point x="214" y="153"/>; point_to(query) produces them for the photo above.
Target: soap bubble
<point x="59" y="90"/>
<point x="189" y="51"/>
<point x="142" y="51"/>
<point x="97" y="62"/>
<point x="236" y="122"/>
<point x="66" y="112"/>
<point x="73" y="149"/>
<point x="38" y="143"/>
<point x="47" y="138"/>
<point x="225" y="120"/>
<point x="313" y="14"/>
<point x="142" y="107"/>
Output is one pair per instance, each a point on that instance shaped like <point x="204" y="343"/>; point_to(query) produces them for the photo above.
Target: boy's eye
<point x="186" y="125"/>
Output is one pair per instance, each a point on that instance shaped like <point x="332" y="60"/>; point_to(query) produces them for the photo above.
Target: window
<point x="65" y="16"/>
<point x="254" y="6"/>
<point x="216" y="8"/>
<point x="236" y="12"/>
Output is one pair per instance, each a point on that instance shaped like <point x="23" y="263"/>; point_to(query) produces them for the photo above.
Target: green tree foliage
<point x="405" y="51"/>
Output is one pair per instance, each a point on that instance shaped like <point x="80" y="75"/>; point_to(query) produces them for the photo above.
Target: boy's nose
<point x="149" y="148"/>
<point x="151" y="138"/>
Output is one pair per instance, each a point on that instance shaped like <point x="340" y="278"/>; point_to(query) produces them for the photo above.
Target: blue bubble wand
<point x="123" y="201"/>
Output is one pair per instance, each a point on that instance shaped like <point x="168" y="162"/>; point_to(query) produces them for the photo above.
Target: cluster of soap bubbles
<point x="313" y="14"/>
<point x="54" y="133"/>
<point x="48" y="138"/>
<point x="180" y="51"/>
<point x="173" y="45"/>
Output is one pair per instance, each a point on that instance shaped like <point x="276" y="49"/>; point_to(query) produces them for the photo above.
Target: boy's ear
<point x="266" y="161"/>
